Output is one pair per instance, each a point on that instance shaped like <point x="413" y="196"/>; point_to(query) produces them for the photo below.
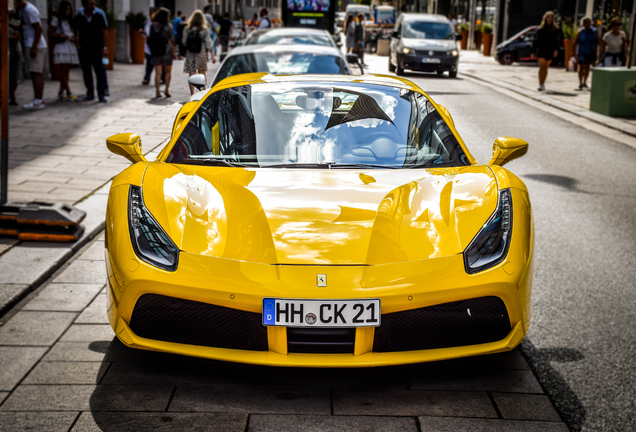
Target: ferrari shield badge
<point x="322" y="280"/>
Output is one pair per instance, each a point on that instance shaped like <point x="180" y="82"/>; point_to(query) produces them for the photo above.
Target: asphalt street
<point x="582" y="190"/>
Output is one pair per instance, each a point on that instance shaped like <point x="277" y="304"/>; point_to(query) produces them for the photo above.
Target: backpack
<point x="156" y="41"/>
<point x="194" y="42"/>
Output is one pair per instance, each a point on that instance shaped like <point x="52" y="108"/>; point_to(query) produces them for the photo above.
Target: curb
<point x="607" y="121"/>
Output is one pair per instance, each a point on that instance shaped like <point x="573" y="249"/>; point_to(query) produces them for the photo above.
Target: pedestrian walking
<point x="585" y="44"/>
<point x="546" y="46"/>
<point x="35" y="45"/>
<point x="196" y="38"/>
<point x="101" y="12"/>
<point x="162" y="49"/>
<point x="65" y="52"/>
<point x="16" y="58"/>
<point x="358" y="37"/>
<point x="145" y="31"/>
<point x="207" y="12"/>
<point x="614" y="45"/>
<point x="225" y="31"/>
<point x="90" y="28"/>
<point x="264" y="22"/>
<point x="452" y="22"/>
<point x="179" y="32"/>
<point x="349" y="31"/>
<point x="176" y="23"/>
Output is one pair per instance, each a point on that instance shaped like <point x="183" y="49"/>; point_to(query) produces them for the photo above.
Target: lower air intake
<point x="468" y="322"/>
<point x="189" y="322"/>
<point x="321" y="341"/>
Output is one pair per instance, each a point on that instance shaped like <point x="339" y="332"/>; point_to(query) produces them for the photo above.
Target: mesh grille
<point x="176" y="320"/>
<point x="442" y="326"/>
<point x="321" y="341"/>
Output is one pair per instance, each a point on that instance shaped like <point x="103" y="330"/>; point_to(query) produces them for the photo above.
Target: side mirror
<point x="506" y="149"/>
<point x="395" y="34"/>
<point x="127" y="145"/>
<point x="197" y="81"/>
<point x="458" y="36"/>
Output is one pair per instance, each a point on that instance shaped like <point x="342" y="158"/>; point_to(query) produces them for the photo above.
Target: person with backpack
<point x="264" y="22"/>
<point x="197" y="40"/>
<point x="162" y="49"/>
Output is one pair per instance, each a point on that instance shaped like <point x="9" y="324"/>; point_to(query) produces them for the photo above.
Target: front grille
<point x="321" y="341"/>
<point x="426" y="53"/>
<point x="461" y="323"/>
<point x="189" y="322"/>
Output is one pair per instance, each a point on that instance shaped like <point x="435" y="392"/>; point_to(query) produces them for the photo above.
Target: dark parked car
<point x="520" y="48"/>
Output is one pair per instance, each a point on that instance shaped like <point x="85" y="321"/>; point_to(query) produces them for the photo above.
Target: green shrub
<point x="136" y="21"/>
<point x="486" y="28"/>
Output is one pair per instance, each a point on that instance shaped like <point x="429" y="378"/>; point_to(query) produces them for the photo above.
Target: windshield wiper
<point x="213" y="161"/>
<point x="337" y="165"/>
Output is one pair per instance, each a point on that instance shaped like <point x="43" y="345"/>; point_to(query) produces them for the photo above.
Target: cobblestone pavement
<point x="63" y="369"/>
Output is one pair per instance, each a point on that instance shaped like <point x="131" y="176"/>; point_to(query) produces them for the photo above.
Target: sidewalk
<point x="64" y="369"/>
<point x="561" y="87"/>
<point x="60" y="154"/>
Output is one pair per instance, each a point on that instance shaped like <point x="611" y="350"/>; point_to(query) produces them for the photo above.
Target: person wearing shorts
<point x="547" y="46"/>
<point x="35" y="45"/>
<point x="585" y="44"/>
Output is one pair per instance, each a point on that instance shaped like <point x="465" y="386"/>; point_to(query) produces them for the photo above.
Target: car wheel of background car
<point x="399" y="71"/>
<point x="391" y="67"/>
<point x="452" y="74"/>
<point x="507" y="58"/>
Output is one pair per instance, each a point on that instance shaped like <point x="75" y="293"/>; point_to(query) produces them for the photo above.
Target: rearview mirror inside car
<point x="506" y="149"/>
<point x="127" y="145"/>
<point x="197" y="81"/>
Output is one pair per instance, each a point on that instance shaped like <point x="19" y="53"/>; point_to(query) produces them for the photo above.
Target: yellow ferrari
<point x="321" y="221"/>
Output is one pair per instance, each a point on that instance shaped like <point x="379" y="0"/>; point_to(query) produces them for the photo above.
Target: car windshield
<point x="318" y="125"/>
<point x="427" y="30"/>
<point x="290" y="39"/>
<point x="283" y="63"/>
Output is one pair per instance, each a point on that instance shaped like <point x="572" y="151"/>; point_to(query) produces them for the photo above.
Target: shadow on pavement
<point x="556" y="387"/>
<point x="568" y="183"/>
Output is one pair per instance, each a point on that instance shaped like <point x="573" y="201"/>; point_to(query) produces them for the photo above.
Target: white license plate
<point x="321" y="313"/>
<point x="431" y="60"/>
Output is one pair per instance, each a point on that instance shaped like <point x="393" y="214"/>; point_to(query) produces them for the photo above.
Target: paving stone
<point x="95" y="313"/>
<point x="313" y="423"/>
<point x="505" y="360"/>
<point x="525" y="407"/>
<point x="40" y="259"/>
<point x="3" y="396"/>
<point x="106" y="350"/>
<point x="519" y="381"/>
<point x="95" y="252"/>
<point x="35" y="328"/>
<point x="133" y="422"/>
<point x="251" y="400"/>
<point x="64" y="297"/>
<point x="37" y="422"/>
<point x="197" y="373"/>
<point x="412" y="403"/>
<point x="16" y="363"/>
<point x="80" y="271"/>
<point x="88" y="332"/>
<point x="12" y="293"/>
<point x="445" y="424"/>
<point x="380" y="378"/>
<point x="88" y="398"/>
<point x="67" y="373"/>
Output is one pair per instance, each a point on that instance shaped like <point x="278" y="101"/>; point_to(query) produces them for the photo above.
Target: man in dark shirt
<point x="91" y="28"/>
<point x="225" y="31"/>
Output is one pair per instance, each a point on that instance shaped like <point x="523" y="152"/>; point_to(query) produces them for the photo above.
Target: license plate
<point x="431" y="60"/>
<point x="321" y="313"/>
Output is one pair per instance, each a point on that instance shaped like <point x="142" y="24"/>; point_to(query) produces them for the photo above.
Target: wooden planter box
<point x="487" y="43"/>
<point x="111" y="36"/>
<point x="464" y="42"/>
<point x="137" y="44"/>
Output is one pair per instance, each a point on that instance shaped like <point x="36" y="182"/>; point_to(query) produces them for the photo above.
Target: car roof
<point x="262" y="77"/>
<point x="289" y="31"/>
<point x="423" y="17"/>
<point x="274" y="48"/>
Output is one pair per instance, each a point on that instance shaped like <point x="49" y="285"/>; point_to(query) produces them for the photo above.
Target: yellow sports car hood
<point x="320" y="216"/>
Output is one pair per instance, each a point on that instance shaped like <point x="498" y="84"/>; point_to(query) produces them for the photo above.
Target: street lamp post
<point x="4" y="105"/>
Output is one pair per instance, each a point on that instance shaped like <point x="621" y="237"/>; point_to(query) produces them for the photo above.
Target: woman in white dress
<point x="65" y="52"/>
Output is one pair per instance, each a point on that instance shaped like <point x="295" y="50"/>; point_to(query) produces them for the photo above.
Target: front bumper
<point x="242" y="286"/>
<point x="417" y="62"/>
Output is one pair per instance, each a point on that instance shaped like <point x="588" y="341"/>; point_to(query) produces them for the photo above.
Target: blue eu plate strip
<point x="269" y="306"/>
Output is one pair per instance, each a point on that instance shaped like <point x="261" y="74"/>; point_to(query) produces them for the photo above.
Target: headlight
<point x="453" y="53"/>
<point x="490" y="245"/>
<point x="406" y="50"/>
<point x="150" y="242"/>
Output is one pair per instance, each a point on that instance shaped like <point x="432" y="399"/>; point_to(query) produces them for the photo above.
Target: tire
<point x="452" y="74"/>
<point x="399" y="71"/>
<point x="391" y="67"/>
<point x="506" y="58"/>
